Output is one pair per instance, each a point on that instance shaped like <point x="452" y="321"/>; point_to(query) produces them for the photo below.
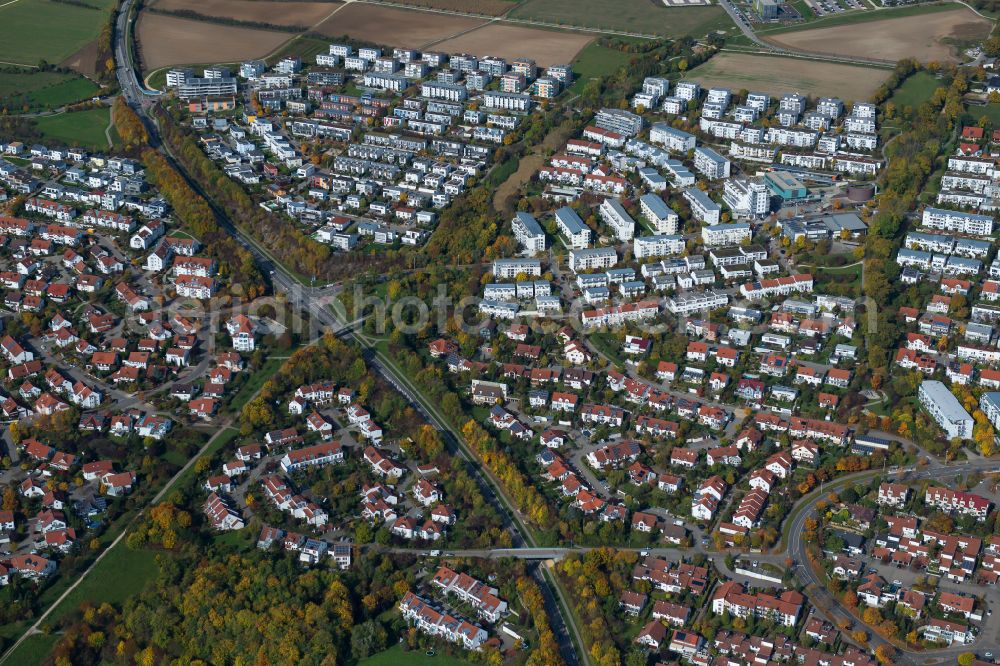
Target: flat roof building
<point x="945" y="408"/>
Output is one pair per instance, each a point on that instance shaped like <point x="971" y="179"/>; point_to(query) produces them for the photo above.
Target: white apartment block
<point x="957" y="221"/>
<point x="746" y="198"/>
<point x="733" y="233"/>
<point x="509" y="101"/>
<point x="393" y="82"/>
<point x="508" y="269"/>
<point x="945" y="408"/>
<point x="990" y="404"/>
<point x="675" y="140"/>
<point x="616" y="217"/>
<point x="687" y="90"/>
<point x="592" y="258"/>
<point x="447" y="91"/>
<point x="659" y="214"/>
<point x="693" y="301"/>
<point x="752" y="153"/>
<point x="856" y="124"/>
<point x="980" y="165"/>
<point x="576" y="233"/>
<point x="963" y="180"/>
<point x="711" y="163"/>
<point x="528" y="232"/>
<point x="787" y="136"/>
<point x="658" y="246"/>
<point x="861" y="141"/>
<point x="704" y="209"/>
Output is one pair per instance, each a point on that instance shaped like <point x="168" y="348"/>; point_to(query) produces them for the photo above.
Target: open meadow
<point x="396" y="27"/>
<point x="77" y="128"/>
<point x="777" y="75"/>
<point x="639" y="16"/>
<point x="167" y="40"/>
<point x="261" y="11"/>
<point x="926" y="37"/>
<point x="508" y="41"/>
<point x="42" y="89"/>
<point x="34" y="30"/>
<point x="484" y="7"/>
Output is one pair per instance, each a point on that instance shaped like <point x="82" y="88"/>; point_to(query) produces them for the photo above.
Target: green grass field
<point x="638" y="16"/>
<point x="43" y="89"/>
<point x="991" y="111"/>
<point x="35" y="30"/>
<point x="254" y="383"/>
<point x="80" y="128"/>
<point x="122" y="573"/>
<point x="915" y="90"/>
<point x="847" y="18"/>
<point x="395" y="656"/>
<point x="304" y="47"/>
<point x="595" y="62"/>
<point x="33" y="651"/>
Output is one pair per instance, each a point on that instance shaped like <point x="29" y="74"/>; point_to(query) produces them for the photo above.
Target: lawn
<point x="395" y="656"/>
<point x="121" y="574"/>
<point x="638" y="16"/>
<point x="33" y="651"/>
<point x="36" y="30"/>
<point x="847" y="18"/>
<point x="79" y="128"/>
<point x="254" y="383"/>
<point x="222" y="438"/>
<point x="304" y="47"/>
<point x="915" y="90"/>
<point x="43" y="89"/>
<point x="596" y="62"/>
<point x="991" y="111"/>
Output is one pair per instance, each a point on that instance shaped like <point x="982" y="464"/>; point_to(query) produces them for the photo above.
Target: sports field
<point x="546" y="47"/>
<point x="775" y="75"/>
<point x="925" y="37"/>
<point x="168" y="40"/>
<point x="638" y="16"/>
<point x="80" y="128"/>
<point x="35" y="30"/>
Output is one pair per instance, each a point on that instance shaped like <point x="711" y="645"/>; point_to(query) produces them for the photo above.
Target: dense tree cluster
<point x="197" y="217"/>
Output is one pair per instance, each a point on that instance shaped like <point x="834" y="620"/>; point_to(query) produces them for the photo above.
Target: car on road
<point x="989" y="655"/>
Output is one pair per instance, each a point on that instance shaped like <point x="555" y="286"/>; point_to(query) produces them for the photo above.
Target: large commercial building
<point x="941" y="404"/>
